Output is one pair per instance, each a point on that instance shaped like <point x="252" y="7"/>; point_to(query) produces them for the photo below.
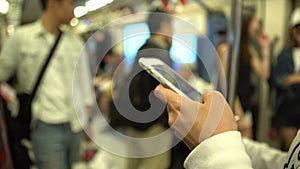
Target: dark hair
<point x="292" y="41"/>
<point x="43" y="4"/>
<point x="248" y="13"/>
<point x="155" y="18"/>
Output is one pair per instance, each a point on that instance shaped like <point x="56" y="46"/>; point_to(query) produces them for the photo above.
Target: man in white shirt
<point x="214" y="139"/>
<point x="57" y="132"/>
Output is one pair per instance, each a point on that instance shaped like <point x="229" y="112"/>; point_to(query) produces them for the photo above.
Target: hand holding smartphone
<point x="169" y="78"/>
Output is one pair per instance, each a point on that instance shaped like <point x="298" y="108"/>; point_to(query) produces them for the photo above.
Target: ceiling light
<point x="92" y="5"/>
<point x="4" y="5"/>
<point x="80" y="11"/>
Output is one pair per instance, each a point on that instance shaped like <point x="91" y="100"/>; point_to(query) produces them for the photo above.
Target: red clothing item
<point x="5" y="156"/>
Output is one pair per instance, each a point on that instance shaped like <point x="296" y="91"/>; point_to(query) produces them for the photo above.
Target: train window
<point x="135" y="35"/>
<point x="184" y="48"/>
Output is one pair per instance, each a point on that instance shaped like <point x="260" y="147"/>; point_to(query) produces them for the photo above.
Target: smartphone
<point x="169" y="78"/>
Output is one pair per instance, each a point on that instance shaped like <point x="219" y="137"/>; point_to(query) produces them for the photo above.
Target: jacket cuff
<point x="225" y="150"/>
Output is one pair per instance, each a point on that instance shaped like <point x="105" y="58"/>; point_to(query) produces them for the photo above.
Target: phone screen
<point x="178" y="81"/>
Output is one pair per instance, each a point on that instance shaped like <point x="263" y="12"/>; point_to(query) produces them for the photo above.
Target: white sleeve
<point x="9" y="58"/>
<point x="263" y="156"/>
<point x="225" y="150"/>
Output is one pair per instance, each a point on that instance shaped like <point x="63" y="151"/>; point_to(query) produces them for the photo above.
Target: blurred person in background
<point x="160" y="27"/>
<point x="140" y="87"/>
<point x="245" y="121"/>
<point x="56" y="131"/>
<point x="286" y="77"/>
<point x="251" y="64"/>
<point x="103" y="81"/>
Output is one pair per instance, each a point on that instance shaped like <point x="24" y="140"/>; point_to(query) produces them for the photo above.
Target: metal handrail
<point x="233" y="54"/>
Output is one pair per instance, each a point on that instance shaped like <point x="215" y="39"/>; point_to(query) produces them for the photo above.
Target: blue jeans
<point x="55" y="146"/>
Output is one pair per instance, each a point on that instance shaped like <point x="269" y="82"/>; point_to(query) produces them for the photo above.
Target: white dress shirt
<point x="24" y="53"/>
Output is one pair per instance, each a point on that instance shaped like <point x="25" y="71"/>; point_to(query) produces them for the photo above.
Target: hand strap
<point x="45" y="65"/>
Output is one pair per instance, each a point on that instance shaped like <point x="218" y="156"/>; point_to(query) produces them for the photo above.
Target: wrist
<point x="266" y="53"/>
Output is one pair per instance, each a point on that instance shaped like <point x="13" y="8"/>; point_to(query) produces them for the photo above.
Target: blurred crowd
<point x="56" y="135"/>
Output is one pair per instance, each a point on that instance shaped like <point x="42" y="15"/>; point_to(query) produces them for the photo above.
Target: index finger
<point x="165" y="94"/>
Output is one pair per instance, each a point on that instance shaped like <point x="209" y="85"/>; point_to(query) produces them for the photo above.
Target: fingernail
<point x="160" y="95"/>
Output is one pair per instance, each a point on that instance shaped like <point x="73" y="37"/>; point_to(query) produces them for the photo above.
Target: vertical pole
<point x="233" y="54"/>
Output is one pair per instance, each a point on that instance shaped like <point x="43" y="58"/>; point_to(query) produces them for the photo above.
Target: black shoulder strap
<point x="45" y="66"/>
